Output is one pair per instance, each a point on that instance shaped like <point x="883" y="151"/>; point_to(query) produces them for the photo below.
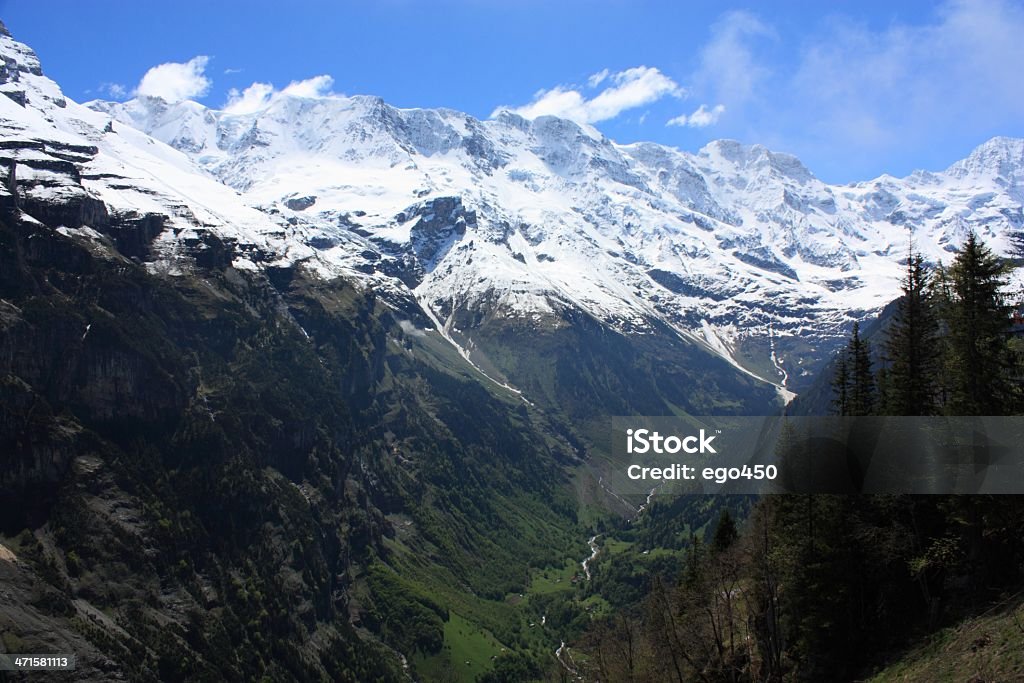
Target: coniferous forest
<point x="834" y="587"/>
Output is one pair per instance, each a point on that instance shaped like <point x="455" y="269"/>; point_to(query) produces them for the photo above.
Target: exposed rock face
<point x="300" y="203"/>
<point x="180" y="454"/>
<point x="440" y="223"/>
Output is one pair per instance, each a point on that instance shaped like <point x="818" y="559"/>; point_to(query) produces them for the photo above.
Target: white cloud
<point x="730" y="66"/>
<point x="317" y="86"/>
<point x="174" y="81"/>
<point x="114" y="90"/>
<point x="879" y="88"/>
<point x="255" y="97"/>
<point x="700" y="118"/>
<point x="260" y="95"/>
<point x="628" y="89"/>
<point x="598" y="78"/>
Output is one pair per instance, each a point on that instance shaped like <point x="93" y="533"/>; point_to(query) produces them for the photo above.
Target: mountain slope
<point x="213" y="469"/>
<point x="198" y="470"/>
<point x="984" y="647"/>
<point x="425" y="262"/>
<point x="737" y="248"/>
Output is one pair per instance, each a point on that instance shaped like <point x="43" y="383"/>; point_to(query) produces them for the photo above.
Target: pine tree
<point x="725" y="533"/>
<point x="980" y="372"/>
<point x="911" y="381"/>
<point x="862" y="379"/>
<point x="942" y="302"/>
<point x="854" y="382"/>
<point x="841" y="386"/>
<point x="692" y="569"/>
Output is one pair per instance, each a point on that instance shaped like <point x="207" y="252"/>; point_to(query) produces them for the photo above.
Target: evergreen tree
<point x="841" y="386"/>
<point x="862" y="380"/>
<point x="725" y="533"/>
<point x="910" y="384"/>
<point x="854" y="382"/>
<point x="980" y="368"/>
<point x="692" y="568"/>
<point x="942" y="301"/>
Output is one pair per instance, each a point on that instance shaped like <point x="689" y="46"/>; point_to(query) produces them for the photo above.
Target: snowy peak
<point x="357" y="128"/>
<point x="184" y="125"/>
<point x="754" y="160"/>
<point x="999" y="158"/>
<point x="21" y="76"/>
<point x="18" y="57"/>
<point x="77" y="171"/>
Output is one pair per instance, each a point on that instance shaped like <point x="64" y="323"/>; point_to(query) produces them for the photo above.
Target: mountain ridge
<point x="765" y="226"/>
<point x="735" y="248"/>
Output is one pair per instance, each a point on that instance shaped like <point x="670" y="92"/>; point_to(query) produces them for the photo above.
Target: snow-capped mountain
<point x="736" y="248"/>
<point x="67" y="164"/>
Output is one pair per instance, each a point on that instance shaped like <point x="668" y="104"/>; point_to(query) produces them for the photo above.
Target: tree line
<point x="832" y="587"/>
<point x="949" y="349"/>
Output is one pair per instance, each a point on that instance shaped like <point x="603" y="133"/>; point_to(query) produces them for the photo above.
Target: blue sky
<point x="854" y="89"/>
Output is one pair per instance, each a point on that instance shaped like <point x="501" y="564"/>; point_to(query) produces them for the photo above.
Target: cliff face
<point x="144" y="439"/>
<point x="197" y="470"/>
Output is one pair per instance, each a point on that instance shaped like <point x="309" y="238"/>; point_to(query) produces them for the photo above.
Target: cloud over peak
<point x="260" y="95"/>
<point x="628" y="89"/>
<point x="176" y="81"/>
<point x="700" y="118"/>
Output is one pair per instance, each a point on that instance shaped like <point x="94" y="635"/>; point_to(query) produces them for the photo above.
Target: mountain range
<point x="468" y="226"/>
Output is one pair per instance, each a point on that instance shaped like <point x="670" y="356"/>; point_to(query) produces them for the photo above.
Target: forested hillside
<point x="835" y="587"/>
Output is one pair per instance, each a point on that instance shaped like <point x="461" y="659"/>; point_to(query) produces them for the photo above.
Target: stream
<point x="594" y="550"/>
<point x="562" y="653"/>
<point x="565" y="659"/>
